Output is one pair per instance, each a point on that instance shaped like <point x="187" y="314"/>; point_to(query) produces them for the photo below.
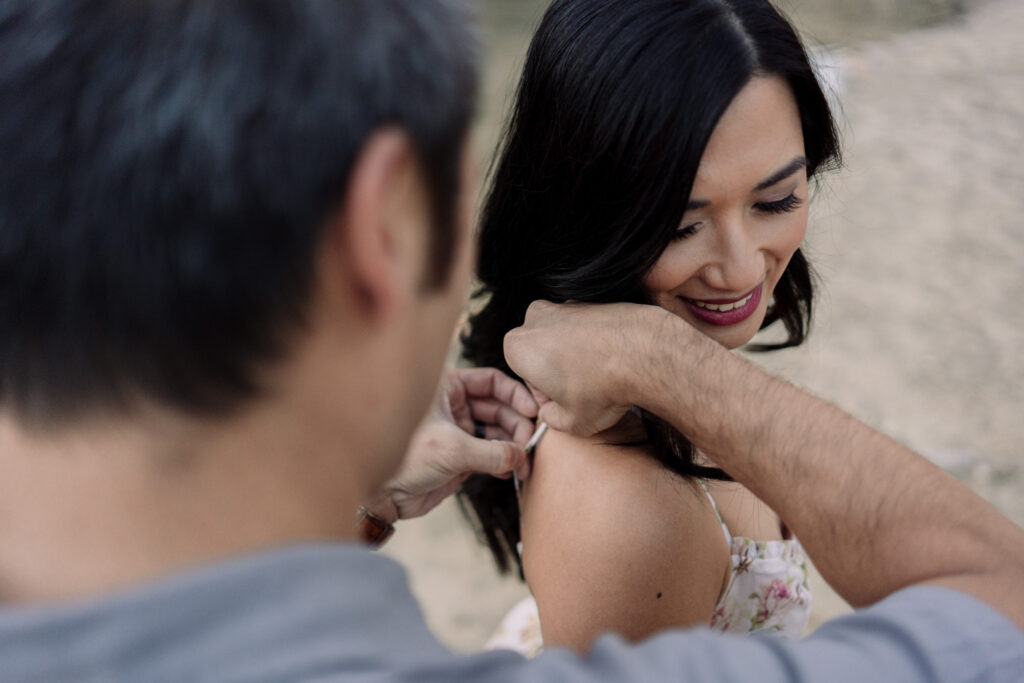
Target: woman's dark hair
<point x="616" y="104"/>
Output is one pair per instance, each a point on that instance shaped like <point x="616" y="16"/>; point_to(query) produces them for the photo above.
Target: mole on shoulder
<point x="659" y="595"/>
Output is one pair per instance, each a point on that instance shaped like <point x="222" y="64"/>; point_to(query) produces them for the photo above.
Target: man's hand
<point x="582" y="360"/>
<point x="856" y="499"/>
<point x="444" y="451"/>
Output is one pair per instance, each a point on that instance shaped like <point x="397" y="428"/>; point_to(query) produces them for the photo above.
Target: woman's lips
<point x="726" y="311"/>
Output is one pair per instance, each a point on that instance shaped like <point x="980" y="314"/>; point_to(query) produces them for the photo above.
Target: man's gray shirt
<point x="340" y="613"/>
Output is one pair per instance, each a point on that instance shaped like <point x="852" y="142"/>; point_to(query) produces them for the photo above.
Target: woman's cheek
<point x="789" y="240"/>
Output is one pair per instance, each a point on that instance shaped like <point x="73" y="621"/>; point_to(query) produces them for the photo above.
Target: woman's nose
<point x="737" y="264"/>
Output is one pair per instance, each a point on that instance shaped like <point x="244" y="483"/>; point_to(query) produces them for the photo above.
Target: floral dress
<point x="767" y="590"/>
<point x="767" y="593"/>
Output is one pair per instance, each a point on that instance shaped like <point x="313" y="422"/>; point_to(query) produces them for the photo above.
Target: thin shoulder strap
<point x="725" y="528"/>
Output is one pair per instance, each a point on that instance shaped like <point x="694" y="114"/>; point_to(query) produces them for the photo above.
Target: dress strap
<point x="725" y="528"/>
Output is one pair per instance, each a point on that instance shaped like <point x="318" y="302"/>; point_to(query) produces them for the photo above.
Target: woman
<point x="659" y="151"/>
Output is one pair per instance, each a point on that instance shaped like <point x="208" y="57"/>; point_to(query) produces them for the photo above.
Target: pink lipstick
<point x="726" y="311"/>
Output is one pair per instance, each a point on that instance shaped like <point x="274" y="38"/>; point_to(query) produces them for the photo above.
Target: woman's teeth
<point x="723" y="307"/>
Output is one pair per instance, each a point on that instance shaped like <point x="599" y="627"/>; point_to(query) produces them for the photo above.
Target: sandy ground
<point x="919" y="244"/>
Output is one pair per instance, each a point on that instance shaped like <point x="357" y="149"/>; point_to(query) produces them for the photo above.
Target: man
<point x="233" y="242"/>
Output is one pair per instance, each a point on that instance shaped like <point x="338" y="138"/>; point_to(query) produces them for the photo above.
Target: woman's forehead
<point x="758" y="135"/>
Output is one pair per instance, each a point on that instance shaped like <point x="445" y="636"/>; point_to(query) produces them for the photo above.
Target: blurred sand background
<point x="918" y="243"/>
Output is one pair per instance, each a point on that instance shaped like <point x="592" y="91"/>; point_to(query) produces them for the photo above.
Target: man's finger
<point x="490" y="411"/>
<point x="452" y="399"/>
<point x="490" y="382"/>
<point x="479" y="381"/>
<point x="522" y="431"/>
<point x="523" y="473"/>
<point x="497" y="458"/>
<point x="497" y="433"/>
<point x="514" y="394"/>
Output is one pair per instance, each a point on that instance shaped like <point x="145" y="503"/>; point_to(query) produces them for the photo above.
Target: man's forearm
<point x="874" y="516"/>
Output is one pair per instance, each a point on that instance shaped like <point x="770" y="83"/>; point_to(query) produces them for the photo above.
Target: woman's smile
<point x="726" y="311"/>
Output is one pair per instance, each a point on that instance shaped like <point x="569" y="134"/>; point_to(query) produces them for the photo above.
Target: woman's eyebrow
<point x="789" y="169"/>
<point x="783" y="173"/>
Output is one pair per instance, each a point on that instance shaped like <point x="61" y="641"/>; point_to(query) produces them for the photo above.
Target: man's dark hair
<point x="166" y="168"/>
<point x="616" y="104"/>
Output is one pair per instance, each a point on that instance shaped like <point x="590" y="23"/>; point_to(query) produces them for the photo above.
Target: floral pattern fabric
<point x="767" y="593"/>
<point x="519" y="630"/>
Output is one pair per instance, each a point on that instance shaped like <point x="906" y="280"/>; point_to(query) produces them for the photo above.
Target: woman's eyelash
<point x="781" y="206"/>
<point x="790" y="203"/>
<point x="685" y="231"/>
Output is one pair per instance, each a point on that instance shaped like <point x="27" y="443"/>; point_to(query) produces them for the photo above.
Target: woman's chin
<point x="730" y="336"/>
<point x="733" y="344"/>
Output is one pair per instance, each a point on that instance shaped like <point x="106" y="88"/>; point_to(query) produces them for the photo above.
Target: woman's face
<point x="746" y="216"/>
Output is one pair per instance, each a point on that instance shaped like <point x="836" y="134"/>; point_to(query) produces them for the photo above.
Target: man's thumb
<point x="487" y="456"/>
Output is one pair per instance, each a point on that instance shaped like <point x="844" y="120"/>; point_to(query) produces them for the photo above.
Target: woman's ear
<point x="384" y="201"/>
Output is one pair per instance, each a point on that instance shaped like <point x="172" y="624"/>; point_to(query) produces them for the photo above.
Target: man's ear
<point x="383" y="196"/>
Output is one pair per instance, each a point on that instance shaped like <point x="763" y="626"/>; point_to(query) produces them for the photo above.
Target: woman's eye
<point x="789" y="203"/>
<point x="686" y="231"/>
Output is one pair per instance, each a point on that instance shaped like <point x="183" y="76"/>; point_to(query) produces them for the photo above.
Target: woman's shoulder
<point x="600" y="468"/>
<point x="584" y="488"/>
<point x="745" y="514"/>
<point x="615" y="541"/>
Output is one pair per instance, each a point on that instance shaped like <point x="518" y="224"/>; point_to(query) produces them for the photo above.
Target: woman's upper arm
<point x="612" y="541"/>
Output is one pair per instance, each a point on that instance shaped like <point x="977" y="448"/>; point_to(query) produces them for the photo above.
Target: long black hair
<point x="616" y="104"/>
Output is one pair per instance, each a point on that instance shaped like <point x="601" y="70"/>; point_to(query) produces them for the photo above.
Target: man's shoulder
<point x="286" y="612"/>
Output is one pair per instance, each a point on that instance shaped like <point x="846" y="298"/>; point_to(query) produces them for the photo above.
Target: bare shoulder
<point x="744" y="513"/>
<point x="613" y="541"/>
